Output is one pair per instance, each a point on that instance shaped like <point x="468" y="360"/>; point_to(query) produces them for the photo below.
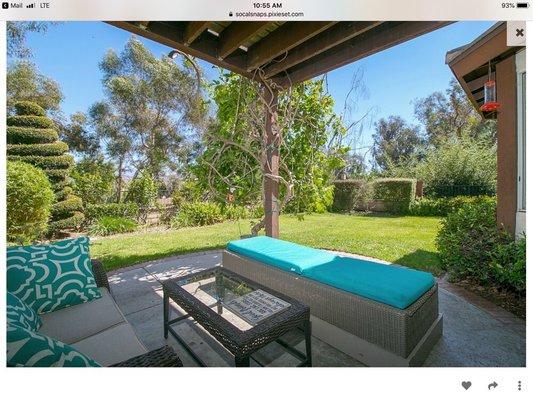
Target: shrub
<point x="187" y="191"/>
<point x="47" y="162"/>
<point x="22" y="135"/>
<point x="64" y="208"/>
<point x="42" y="149"/>
<point x="30" y="121"/>
<point x="94" y="212"/>
<point x="29" y="199"/>
<point x="74" y="221"/>
<point x="197" y="214"/>
<point x="94" y="180"/>
<point x="29" y="108"/>
<point x="466" y="239"/>
<point x="142" y="191"/>
<point x="112" y="225"/>
<point x="62" y="194"/>
<point x="57" y="177"/>
<point x="397" y="194"/>
<point x="346" y="194"/>
<point x="440" y="207"/>
<point x="234" y="212"/>
<point x="508" y="264"/>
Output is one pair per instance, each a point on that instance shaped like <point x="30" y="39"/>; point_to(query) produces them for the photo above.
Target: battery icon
<point x="522" y="5"/>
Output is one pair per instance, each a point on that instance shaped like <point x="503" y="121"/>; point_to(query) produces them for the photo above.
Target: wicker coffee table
<point x="209" y="297"/>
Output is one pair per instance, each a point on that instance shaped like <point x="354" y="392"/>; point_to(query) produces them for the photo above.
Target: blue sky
<point x="69" y="53"/>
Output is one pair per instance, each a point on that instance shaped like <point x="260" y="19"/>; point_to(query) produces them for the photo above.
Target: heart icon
<point x="466" y="384"/>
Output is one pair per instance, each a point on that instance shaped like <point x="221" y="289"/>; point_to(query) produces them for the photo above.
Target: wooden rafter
<point x="205" y="47"/>
<point x="193" y="30"/>
<point x="380" y="38"/>
<point x="236" y="34"/>
<point x="282" y="40"/>
<point x="331" y="37"/>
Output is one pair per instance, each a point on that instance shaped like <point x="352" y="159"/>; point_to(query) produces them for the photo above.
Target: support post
<point x="271" y="163"/>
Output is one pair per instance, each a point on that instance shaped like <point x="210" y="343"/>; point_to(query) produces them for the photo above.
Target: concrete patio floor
<point x="474" y="335"/>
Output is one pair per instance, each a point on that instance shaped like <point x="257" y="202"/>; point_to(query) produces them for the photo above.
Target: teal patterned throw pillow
<point x="18" y="313"/>
<point x="31" y="349"/>
<point x="52" y="276"/>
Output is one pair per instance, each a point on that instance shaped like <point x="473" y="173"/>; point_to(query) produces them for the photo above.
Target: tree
<point x="31" y="138"/>
<point x="150" y="105"/>
<point x="94" y="179"/>
<point x="79" y="136"/>
<point x="26" y="83"/>
<point x="451" y="114"/>
<point x="233" y="161"/>
<point x="16" y="32"/>
<point x="394" y="141"/>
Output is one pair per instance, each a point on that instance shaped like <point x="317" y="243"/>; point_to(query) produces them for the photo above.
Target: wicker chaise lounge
<point x="379" y="323"/>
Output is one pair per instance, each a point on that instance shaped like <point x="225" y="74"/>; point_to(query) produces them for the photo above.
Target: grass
<point x="405" y="240"/>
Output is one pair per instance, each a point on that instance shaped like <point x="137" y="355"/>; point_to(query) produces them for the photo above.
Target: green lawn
<point x="407" y="241"/>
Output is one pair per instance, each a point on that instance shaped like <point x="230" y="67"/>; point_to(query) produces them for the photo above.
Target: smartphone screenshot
<point x="265" y="199"/>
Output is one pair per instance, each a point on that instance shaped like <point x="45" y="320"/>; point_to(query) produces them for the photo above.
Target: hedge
<point x="397" y="194"/>
<point x="72" y="222"/>
<point x="441" y="207"/>
<point x="64" y="208"/>
<point x="47" y="162"/>
<point x="30" y="121"/>
<point x="40" y="149"/>
<point x="25" y="135"/>
<point x="29" y="108"/>
<point x="346" y="194"/>
<point x="94" y="212"/>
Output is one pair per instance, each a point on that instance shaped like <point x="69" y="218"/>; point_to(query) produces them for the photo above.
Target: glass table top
<point x="239" y="302"/>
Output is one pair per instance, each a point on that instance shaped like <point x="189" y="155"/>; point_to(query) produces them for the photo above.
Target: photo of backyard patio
<point x="219" y="208"/>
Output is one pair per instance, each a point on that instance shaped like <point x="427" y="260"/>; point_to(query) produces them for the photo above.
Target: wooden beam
<point x="380" y="38"/>
<point x="205" y="47"/>
<point x="236" y="34"/>
<point x="283" y="39"/>
<point x="271" y="166"/>
<point x="339" y="33"/>
<point x="193" y="30"/>
<point x="477" y="83"/>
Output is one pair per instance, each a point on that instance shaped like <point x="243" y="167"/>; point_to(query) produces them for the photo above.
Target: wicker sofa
<point x="99" y="330"/>
<point x="374" y="333"/>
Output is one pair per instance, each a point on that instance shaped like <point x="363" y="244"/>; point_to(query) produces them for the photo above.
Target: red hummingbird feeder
<point x="490" y="104"/>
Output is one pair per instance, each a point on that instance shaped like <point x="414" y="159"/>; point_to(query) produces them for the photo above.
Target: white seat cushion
<point x="81" y="321"/>
<point x="111" y="346"/>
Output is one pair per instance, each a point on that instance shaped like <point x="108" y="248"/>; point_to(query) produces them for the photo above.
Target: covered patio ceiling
<point x="284" y="52"/>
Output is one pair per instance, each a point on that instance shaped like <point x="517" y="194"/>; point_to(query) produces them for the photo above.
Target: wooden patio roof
<point x="470" y="63"/>
<point x="285" y="52"/>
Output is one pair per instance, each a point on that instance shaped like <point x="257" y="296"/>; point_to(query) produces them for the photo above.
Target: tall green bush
<point x="29" y="201"/>
<point x="142" y="191"/>
<point x="466" y="240"/>
<point x="32" y="138"/>
<point x="346" y="194"/>
<point x="440" y="207"/>
<point x="397" y="194"/>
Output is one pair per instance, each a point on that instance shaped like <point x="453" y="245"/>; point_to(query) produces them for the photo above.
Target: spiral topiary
<point x="31" y="138"/>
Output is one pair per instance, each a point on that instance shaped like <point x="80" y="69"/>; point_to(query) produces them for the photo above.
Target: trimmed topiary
<point x="29" y="108"/>
<point x="47" y="162"/>
<point x="41" y="149"/>
<point x="24" y="135"/>
<point x="397" y="194"/>
<point x="30" y="121"/>
<point x="64" y="208"/>
<point x="29" y="200"/>
<point x="32" y="139"/>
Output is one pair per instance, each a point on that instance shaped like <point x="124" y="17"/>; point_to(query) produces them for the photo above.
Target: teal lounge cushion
<point x="388" y="284"/>
<point x="31" y="349"/>
<point x="52" y="276"/>
<point x="288" y="256"/>
<point x="18" y="313"/>
<point x="394" y="285"/>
